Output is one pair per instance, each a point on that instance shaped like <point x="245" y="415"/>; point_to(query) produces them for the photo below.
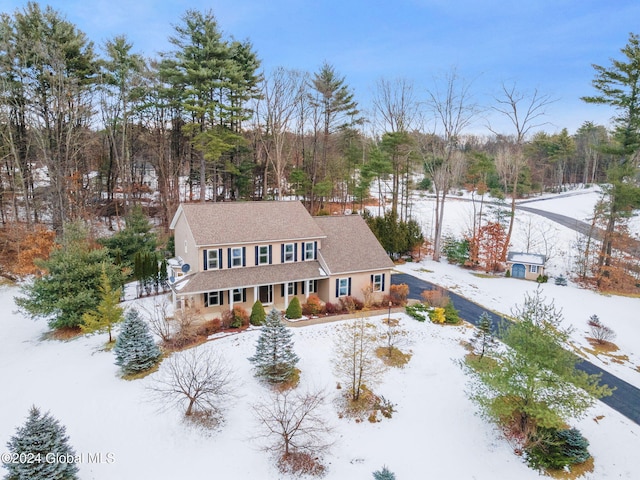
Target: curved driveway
<point x="625" y="398"/>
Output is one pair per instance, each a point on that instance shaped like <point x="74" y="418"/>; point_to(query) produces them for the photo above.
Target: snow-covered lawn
<point x="434" y="434"/>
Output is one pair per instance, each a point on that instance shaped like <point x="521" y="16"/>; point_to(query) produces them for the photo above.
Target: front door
<point x="266" y="294"/>
<point x="518" y="270"/>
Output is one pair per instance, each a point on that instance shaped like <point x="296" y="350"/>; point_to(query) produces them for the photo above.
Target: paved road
<point x="625" y="398"/>
<point x="631" y="245"/>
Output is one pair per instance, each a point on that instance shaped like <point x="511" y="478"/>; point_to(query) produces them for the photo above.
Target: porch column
<point x="231" y="300"/>
<point x="255" y="294"/>
<point x="286" y="295"/>
<point x="306" y="289"/>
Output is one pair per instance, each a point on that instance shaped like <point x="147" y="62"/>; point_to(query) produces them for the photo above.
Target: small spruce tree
<point x="40" y="436"/>
<point x="483" y="340"/>
<point x="135" y="349"/>
<point x="107" y="313"/>
<point x="258" y="314"/>
<point x="275" y="360"/>
<point x="384" y="474"/>
<point x="294" y="310"/>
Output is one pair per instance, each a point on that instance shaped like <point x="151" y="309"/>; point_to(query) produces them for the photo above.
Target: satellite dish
<point x="185" y="268"/>
<point x="172" y="279"/>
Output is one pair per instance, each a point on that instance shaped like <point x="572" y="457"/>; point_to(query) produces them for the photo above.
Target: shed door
<point x="518" y="270"/>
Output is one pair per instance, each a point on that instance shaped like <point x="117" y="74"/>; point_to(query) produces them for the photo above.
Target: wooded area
<point x="90" y="131"/>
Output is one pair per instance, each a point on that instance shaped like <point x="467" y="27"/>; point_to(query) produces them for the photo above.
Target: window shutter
<point x="295" y="252"/>
<point x="383" y="281"/>
<point x="229" y="258"/>
<point x="349" y="288"/>
<point x="302" y="286"/>
<point x="206" y="299"/>
<point x="244" y="295"/>
<point x="221" y="297"/>
<point x="282" y="289"/>
<point x="205" y="264"/>
<point x="295" y="288"/>
<point x="372" y="282"/>
<point x="270" y="254"/>
<point x="244" y="256"/>
<point x="337" y="287"/>
<point x="219" y="258"/>
<point x="315" y="250"/>
<point x="282" y="253"/>
<point x="303" y="253"/>
<point x="257" y="252"/>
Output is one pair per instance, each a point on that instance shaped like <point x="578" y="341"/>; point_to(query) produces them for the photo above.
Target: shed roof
<point x="350" y="245"/>
<point x="226" y="223"/>
<point x="527" y="258"/>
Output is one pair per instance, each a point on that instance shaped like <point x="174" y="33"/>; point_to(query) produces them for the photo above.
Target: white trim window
<point x="236" y="257"/>
<point x="376" y="284"/>
<point x="263" y="255"/>
<point x="291" y="288"/>
<point x="238" y="295"/>
<point x="289" y="252"/>
<point x="213" y="259"/>
<point x="213" y="299"/>
<point x="309" y="251"/>
<point x="533" y="268"/>
<point x="343" y="287"/>
<point x="312" y="286"/>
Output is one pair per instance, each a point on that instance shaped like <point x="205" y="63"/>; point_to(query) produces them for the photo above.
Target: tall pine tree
<point x="135" y="349"/>
<point x="275" y="360"/>
<point x="41" y="438"/>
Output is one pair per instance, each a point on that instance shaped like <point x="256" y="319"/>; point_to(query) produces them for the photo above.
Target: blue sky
<point x="544" y="44"/>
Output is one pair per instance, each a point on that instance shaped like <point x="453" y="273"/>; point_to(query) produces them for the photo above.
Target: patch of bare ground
<point x="368" y="406"/>
<point x="393" y="357"/>
<point x="289" y="384"/>
<point x="63" y="334"/>
<point x="602" y="346"/>
<point x="575" y="471"/>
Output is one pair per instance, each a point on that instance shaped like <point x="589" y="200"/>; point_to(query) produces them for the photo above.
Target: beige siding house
<point x="234" y="253"/>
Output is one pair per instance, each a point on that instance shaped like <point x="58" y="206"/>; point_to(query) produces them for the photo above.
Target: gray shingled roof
<point x="225" y="223"/>
<point x="350" y="245"/>
<point x="528" y="258"/>
<point x="213" y="280"/>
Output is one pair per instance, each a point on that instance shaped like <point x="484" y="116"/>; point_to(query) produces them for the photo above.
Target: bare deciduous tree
<point x="292" y="422"/>
<point x="159" y="317"/>
<point x="197" y="381"/>
<point x="599" y="331"/>
<point x="282" y="92"/>
<point x="355" y="361"/>
<point x="524" y="111"/>
<point x="451" y="104"/>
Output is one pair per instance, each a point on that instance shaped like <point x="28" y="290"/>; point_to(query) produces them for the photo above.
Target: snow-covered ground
<point x="435" y="432"/>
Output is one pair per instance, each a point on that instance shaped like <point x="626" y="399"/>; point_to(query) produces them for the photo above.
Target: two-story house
<point x="240" y="252"/>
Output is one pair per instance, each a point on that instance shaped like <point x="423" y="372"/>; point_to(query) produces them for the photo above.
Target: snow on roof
<point x="528" y="258"/>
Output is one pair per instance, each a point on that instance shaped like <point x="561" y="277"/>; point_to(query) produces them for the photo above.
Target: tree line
<point x="89" y="131"/>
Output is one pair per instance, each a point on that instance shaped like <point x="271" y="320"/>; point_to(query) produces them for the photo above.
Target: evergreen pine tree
<point x="384" y="474"/>
<point x="258" y="315"/>
<point x="42" y="438"/>
<point x="135" y="349"/>
<point x="482" y="339"/>
<point x="275" y="360"/>
<point x="294" y="310"/>
<point x="107" y="313"/>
